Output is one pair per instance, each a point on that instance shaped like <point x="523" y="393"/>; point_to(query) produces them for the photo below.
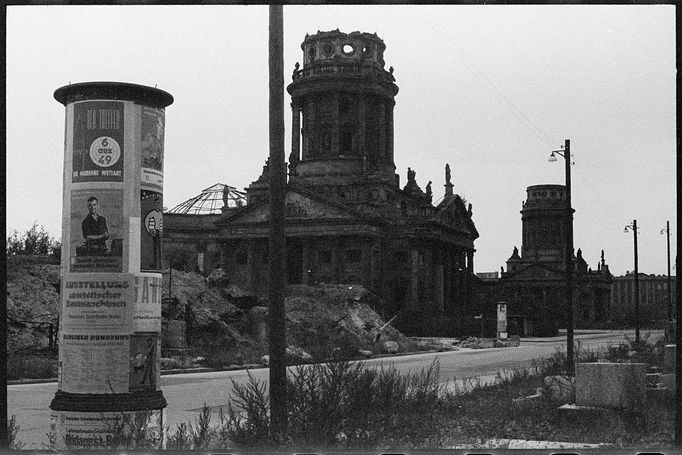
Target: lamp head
<point x="552" y="158"/>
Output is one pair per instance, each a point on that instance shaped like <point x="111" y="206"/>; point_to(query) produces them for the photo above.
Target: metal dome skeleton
<point x="211" y="201"/>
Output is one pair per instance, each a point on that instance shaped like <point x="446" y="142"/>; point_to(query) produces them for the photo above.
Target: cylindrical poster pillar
<point x="112" y="226"/>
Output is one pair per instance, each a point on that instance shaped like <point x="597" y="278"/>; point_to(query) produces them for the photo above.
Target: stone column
<point x="306" y="265"/>
<point x="439" y="292"/>
<point x="362" y="108"/>
<point x="335" y="147"/>
<point x="389" y="130"/>
<point x="308" y="129"/>
<point x="469" y="273"/>
<point x="339" y="259"/>
<point x="295" y="155"/>
<point x="414" y="280"/>
<point x="381" y="144"/>
<point x="251" y="268"/>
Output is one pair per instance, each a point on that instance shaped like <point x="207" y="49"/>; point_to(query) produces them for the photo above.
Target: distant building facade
<point x="653" y="298"/>
<point x="534" y="282"/>
<point x="347" y="218"/>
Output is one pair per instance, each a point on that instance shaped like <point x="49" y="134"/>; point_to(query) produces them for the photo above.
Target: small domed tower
<point x="345" y="98"/>
<point x="543" y="218"/>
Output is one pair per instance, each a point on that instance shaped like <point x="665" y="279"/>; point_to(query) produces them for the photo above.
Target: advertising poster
<point x="147" y="311"/>
<point x="145" y="362"/>
<point x="85" y="430"/>
<point x="91" y="303"/>
<point x="98" y="362"/>
<point x="98" y="141"/>
<point x="97" y="230"/>
<point x="151" y="148"/>
<point x="151" y="217"/>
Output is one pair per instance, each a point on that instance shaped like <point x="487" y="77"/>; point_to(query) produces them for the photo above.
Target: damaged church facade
<point x="347" y="218"/>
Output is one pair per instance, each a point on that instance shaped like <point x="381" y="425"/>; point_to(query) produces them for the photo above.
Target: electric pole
<point x="633" y="227"/>
<point x="277" y="252"/>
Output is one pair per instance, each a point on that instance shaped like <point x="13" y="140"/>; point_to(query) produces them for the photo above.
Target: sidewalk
<point x="524" y="444"/>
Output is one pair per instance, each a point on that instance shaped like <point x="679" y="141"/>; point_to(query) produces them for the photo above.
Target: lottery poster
<point x="151" y="239"/>
<point x="98" y="141"/>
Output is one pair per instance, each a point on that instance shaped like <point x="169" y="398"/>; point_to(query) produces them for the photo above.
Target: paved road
<point x="186" y="393"/>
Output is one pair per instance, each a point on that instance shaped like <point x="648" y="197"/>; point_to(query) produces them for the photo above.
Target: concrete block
<point x="670" y="332"/>
<point x="560" y="388"/>
<point x="669" y="381"/>
<point x="390" y="347"/>
<point x="670" y="354"/>
<point x="610" y="385"/>
<point x="486" y="343"/>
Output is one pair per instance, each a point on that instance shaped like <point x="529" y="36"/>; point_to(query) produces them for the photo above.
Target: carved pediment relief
<point x="297" y="206"/>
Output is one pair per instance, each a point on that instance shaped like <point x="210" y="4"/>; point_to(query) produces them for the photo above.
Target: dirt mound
<point x="207" y="303"/>
<point x="340" y="317"/>
<point x="32" y="301"/>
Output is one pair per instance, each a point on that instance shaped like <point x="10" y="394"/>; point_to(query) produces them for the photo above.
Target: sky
<point x="491" y="90"/>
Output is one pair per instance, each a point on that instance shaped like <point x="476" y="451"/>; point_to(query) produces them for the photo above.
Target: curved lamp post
<point x="568" y="238"/>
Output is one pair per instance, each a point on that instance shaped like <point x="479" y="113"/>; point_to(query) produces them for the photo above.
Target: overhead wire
<point x="486" y="82"/>
<point x="538" y="132"/>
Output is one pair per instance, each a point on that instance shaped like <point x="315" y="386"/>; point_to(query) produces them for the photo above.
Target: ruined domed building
<point x="348" y="219"/>
<point x="534" y="283"/>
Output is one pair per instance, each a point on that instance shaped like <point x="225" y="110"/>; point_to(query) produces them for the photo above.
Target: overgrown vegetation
<point x="36" y="240"/>
<point x="345" y="405"/>
<point x="31" y="367"/>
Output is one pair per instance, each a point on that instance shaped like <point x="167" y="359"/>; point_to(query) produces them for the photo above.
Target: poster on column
<point x="98" y="141"/>
<point x="97" y="230"/>
<point x="98" y="362"/>
<point x="147" y="312"/>
<point x="151" y="239"/>
<point x="85" y="430"/>
<point x="151" y="148"/>
<point x="95" y="304"/>
<point x="145" y="362"/>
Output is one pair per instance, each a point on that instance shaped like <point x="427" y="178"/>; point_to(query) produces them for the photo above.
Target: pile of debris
<point x="322" y="321"/>
<point x="32" y="302"/>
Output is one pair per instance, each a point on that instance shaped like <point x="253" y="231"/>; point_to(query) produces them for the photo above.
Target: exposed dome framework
<point x="211" y="201"/>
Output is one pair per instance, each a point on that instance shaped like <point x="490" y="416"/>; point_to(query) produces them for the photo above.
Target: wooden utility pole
<point x="569" y="260"/>
<point x="634" y="229"/>
<point x="670" y="292"/>
<point x="277" y="252"/>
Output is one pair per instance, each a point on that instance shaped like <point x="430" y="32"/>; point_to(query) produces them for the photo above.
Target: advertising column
<point x="112" y="227"/>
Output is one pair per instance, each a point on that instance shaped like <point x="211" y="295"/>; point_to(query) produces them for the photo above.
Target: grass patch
<point x="31" y="367"/>
<point x="345" y="405"/>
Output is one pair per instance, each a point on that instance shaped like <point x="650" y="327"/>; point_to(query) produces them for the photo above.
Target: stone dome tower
<point x="345" y="98"/>
<point x="543" y="222"/>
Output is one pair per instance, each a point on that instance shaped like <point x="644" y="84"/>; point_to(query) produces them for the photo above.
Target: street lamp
<point x="568" y="229"/>
<point x="633" y="228"/>
<point x="670" y="294"/>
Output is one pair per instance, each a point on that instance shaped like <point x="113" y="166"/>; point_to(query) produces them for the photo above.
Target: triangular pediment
<point x="298" y="206"/>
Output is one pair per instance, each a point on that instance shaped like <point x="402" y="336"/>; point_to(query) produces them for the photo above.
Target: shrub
<point x="36" y="240"/>
<point x="31" y="367"/>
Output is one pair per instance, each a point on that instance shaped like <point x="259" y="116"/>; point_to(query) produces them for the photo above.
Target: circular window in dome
<point x="348" y="49"/>
<point x="327" y="50"/>
<point x="311" y="53"/>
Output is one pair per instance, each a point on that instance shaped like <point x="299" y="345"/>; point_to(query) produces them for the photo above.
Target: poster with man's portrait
<point x="145" y="361"/>
<point x="151" y="238"/>
<point x="98" y="141"/>
<point x="97" y="230"/>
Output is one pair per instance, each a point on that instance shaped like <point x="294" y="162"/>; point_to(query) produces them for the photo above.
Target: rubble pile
<point x="32" y="301"/>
